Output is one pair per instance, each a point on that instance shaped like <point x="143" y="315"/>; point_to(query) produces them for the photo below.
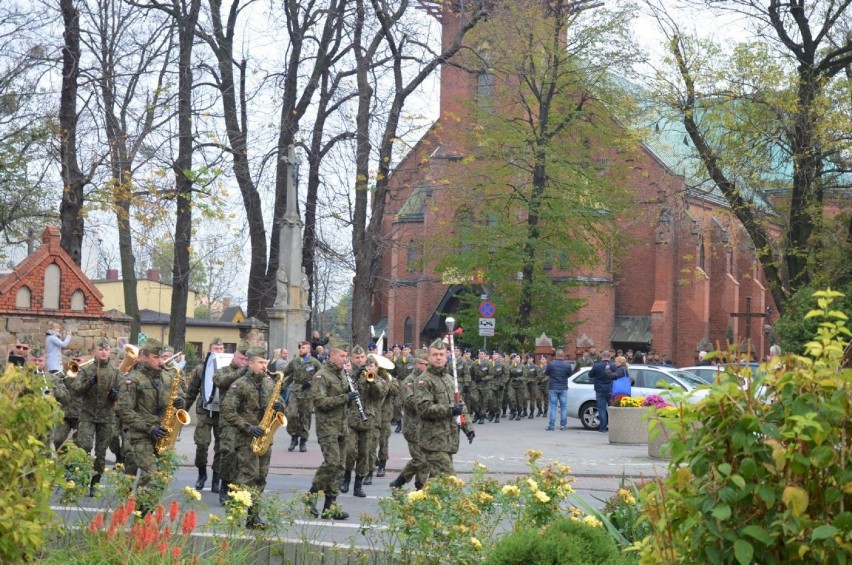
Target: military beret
<point x="337" y="343"/>
<point x="372" y="347"/>
<point x="421" y="355"/>
<point x="102" y="343"/>
<point x="217" y="341"/>
<point x="152" y="346"/>
<point x="243" y="347"/>
<point x="256" y="352"/>
<point x="381" y="361"/>
<point x="168" y="349"/>
<point x="437" y="344"/>
<point x="357" y="350"/>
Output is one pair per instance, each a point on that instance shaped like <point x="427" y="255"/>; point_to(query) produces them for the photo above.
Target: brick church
<point x="686" y="281"/>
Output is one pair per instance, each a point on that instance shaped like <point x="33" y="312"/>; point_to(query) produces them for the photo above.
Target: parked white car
<point x="648" y="379"/>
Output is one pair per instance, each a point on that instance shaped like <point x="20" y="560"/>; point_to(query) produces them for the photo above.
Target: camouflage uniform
<point x="97" y="387"/>
<point x="410" y="430"/>
<point x="142" y="401"/>
<point x="517" y="389"/>
<point x="360" y="442"/>
<point x="438" y="435"/>
<point x="329" y="394"/>
<point x="223" y="379"/>
<point x="383" y="432"/>
<point x="299" y="375"/>
<point x="480" y="371"/>
<point x="207" y="420"/>
<point x="242" y="408"/>
<point x="534" y="398"/>
<point x="70" y="404"/>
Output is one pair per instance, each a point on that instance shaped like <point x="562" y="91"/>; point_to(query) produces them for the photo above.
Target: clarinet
<point x="360" y="406"/>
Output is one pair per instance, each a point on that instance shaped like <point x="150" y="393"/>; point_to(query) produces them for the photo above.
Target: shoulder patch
<point x="234" y="386"/>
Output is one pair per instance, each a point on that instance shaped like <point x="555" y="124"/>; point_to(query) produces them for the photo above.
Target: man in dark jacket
<point x="601" y="375"/>
<point x="557" y="374"/>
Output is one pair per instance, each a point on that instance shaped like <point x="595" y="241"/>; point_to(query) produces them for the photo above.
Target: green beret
<point x="437" y="344"/>
<point x="152" y="346"/>
<point x="217" y="341"/>
<point x="357" y="350"/>
<point x="256" y="352"/>
<point x="102" y="343"/>
<point x="337" y="343"/>
<point x="244" y="347"/>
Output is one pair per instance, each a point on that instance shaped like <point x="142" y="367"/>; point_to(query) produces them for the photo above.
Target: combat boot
<point x="344" y="482"/>
<point x="398" y="482"/>
<point x="368" y="480"/>
<point x="532" y="415"/>
<point x="294" y="441"/>
<point x="214" y="487"/>
<point x="418" y="485"/>
<point x="497" y="417"/>
<point x="357" y="490"/>
<point x="253" y="521"/>
<point x="332" y="511"/>
<point x="202" y="478"/>
<point x="303" y="444"/>
<point x="223" y="493"/>
<point x="398" y="426"/>
<point x="95" y="480"/>
<point x="311" y="501"/>
<point x="380" y="472"/>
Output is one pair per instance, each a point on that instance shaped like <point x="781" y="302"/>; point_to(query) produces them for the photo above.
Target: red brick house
<point x="675" y="290"/>
<point x="48" y="286"/>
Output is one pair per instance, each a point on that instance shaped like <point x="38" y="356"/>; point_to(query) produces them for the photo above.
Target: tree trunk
<point x="73" y="179"/>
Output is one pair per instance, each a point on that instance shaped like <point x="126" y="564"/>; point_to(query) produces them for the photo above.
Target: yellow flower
<point x="511" y="490"/>
<point x="214" y="518"/>
<point x="592" y="521"/>
<point x="533" y="484"/>
<point x="455" y="481"/>
<point x="476" y="543"/>
<point x="542" y="496"/>
<point x="70" y="485"/>
<point x="533" y="455"/>
<point x="416" y="495"/>
<point x="461" y="528"/>
<point x="562" y="468"/>
<point x="576" y="512"/>
<point x="243" y="497"/>
<point x="626" y="496"/>
<point x="479" y="465"/>
<point x="483" y="497"/>
<point x="192" y="493"/>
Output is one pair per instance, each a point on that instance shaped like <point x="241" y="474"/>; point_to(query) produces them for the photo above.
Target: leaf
<point x="722" y="512"/>
<point x="837" y="314"/>
<point x="796" y="499"/>
<point x="758" y="533"/>
<point x="823" y="532"/>
<point x="738" y="480"/>
<point x="725" y="469"/>
<point x="822" y="457"/>
<point x="743" y="551"/>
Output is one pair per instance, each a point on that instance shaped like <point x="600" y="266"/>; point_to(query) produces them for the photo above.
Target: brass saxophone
<point x="271" y="420"/>
<point x="173" y="418"/>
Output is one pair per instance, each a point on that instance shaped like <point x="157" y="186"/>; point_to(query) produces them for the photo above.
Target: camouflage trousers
<point x="472" y="399"/>
<point x="327" y="477"/>
<point x="251" y="469"/>
<point x="205" y="426"/>
<point x="98" y="435"/>
<point x="63" y="431"/>
<point x="227" y="459"/>
<point x="299" y="415"/>
<point x="517" y="397"/>
<point x="414" y="467"/>
<point x="384" y="436"/>
<point x="142" y="459"/>
<point x="536" y="400"/>
<point x="359" y="447"/>
<point x="437" y="463"/>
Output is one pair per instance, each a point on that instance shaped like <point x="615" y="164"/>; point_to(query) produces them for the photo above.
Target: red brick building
<point x="673" y="290"/>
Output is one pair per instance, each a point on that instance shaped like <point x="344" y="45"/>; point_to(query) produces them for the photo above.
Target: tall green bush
<point x="763" y="476"/>
<point x="28" y="471"/>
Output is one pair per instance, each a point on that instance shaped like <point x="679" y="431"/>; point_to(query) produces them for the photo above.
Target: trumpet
<point x="131" y="354"/>
<point x="170" y="362"/>
<point x="72" y="368"/>
<point x="370" y="376"/>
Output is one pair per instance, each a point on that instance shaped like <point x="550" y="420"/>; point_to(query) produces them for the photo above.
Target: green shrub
<point x="28" y="472"/>
<point x="563" y="541"/>
<point x="763" y="477"/>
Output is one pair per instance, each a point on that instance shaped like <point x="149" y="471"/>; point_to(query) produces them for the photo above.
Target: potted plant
<point x="626" y="423"/>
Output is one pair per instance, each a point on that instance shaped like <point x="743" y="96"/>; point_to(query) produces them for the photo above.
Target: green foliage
<point x="28" y="471"/>
<point x="793" y="329"/>
<point x="624" y="512"/>
<point x="760" y="472"/>
<point x="562" y="541"/>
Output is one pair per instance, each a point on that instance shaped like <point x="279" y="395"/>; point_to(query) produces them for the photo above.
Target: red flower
<point x="162" y="548"/>
<point x="188" y="523"/>
<point x="175" y="553"/>
<point x="174" y="510"/>
<point x="166" y="534"/>
<point x="160" y="513"/>
<point x="97" y="522"/>
<point x="131" y="505"/>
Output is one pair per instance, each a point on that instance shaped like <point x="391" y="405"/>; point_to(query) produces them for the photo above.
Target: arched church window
<point x="78" y="301"/>
<point x="52" y="284"/>
<point x="24" y="298"/>
<point x="408" y="330"/>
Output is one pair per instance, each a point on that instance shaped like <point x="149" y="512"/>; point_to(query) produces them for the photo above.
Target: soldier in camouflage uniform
<point x="480" y="372"/>
<point x="411" y="426"/>
<point x="434" y="396"/>
<point x="498" y="384"/>
<point x="331" y="397"/>
<point x="517" y="389"/>
<point x="243" y="409"/>
<point x="142" y="402"/>
<point x="299" y="375"/>
<point x="382" y="433"/>
<point x="223" y="379"/>
<point x="97" y="387"/>
<point x="403" y="365"/>
<point x="372" y="387"/>
<point x="534" y="400"/>
<point x="70" y="404"/>
<point x="206" y="421"/>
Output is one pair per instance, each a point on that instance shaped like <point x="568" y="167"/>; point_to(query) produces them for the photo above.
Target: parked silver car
<point x="648" y="379"/>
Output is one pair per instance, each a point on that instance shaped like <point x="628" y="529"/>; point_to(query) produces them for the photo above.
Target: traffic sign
<point x="143" y="337"/>
<point x="486" y="327"/>
<point x="486" y="309"/>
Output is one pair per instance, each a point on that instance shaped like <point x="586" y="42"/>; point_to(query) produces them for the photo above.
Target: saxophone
<point x="173" y="418"/>
<point x="271" y="420"/>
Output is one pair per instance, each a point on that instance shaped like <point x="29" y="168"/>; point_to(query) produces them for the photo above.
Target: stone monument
<point x="289" y="314"/>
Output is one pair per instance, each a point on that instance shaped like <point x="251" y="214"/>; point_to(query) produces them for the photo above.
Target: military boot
<point x="358" y="491"/>
<point x="398" y="482"/>
<point x="344" y="482"/>
<point x="303" y="444"/>
<point x="223" y="492"/>
<point x="497" y="417"/>
<point x="418" y="485"/>
<point x="95" y="480"/>
<point x="253" y="521"/>
<point x="214" y="487"/>
<point x="368" y="480"/>
<point x="294" y="441"/>
<point x="380" y="472"/>
<point x="202" y="478"/>
<point x="532" y="415"/>
<point x="311" y="501"/>
<point x="398" y="426"/>
<point x="332" y="511"/>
